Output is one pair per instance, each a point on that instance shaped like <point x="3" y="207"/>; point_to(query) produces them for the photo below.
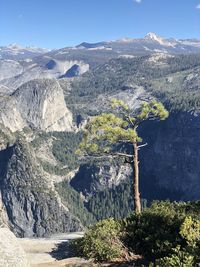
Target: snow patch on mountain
<point x="159" y="58"/>
<point x="155" y="38"/>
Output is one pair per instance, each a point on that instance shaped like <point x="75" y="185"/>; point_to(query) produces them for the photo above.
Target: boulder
<point x="11" y="252"/>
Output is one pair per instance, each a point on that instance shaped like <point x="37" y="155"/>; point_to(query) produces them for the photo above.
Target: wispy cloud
<point x="198" y="6"/>
<point x="137" y="1"/>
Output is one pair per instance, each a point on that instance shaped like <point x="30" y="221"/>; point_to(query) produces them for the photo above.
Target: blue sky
<point x="60" y="23"/>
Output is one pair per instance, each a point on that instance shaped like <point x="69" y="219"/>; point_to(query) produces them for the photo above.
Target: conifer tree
<point x="107" y="134"/>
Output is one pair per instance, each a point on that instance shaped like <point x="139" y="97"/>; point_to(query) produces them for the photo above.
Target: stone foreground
<point x="11" y="252"/>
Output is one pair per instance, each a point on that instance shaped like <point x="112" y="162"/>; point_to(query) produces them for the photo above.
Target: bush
<point x="178" y="258"/>
<point x="190" y="232"/>
<point x="153" y="233"/>
<point x="166" y="234"/>
<point x="102" y="241"/>
<point x="161" y="228"/>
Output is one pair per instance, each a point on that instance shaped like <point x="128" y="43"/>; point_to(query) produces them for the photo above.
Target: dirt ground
<point x="44" y="252"/>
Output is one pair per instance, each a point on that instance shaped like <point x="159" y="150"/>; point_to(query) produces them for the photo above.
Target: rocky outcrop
<point x="38" y="104"/>
<point x="14" y="74"/>
<point x="11" y="252"/>
<point x="170" y="162"/>
<point x="69" y="68"/>
<point x="31" y="202"/>
<point x="76" y="70"/>
<point x="94" y="177"/>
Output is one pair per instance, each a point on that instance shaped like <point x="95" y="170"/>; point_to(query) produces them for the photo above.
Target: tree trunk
<point x="137" y="201"/>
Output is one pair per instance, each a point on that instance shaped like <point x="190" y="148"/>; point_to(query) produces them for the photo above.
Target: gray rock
<point x="33" y="207"/>
<point x="170" y="163"/>
<point x="94" y="177"/>
<point x="11" y="252"/>
<point x="38" y="104"/>
<point x="76" y="70"/>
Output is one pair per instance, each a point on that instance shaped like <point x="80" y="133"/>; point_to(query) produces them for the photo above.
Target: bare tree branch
<point x="108" y="155"/>
<point x="124" y="155"/>
<point x="142" y="145"/>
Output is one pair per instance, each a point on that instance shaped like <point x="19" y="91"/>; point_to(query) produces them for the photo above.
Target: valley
<point x="46" y="100"/>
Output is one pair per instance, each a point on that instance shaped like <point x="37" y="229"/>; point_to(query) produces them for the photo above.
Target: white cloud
<point x="138" y="1"/>
<point x="198" y="6"/>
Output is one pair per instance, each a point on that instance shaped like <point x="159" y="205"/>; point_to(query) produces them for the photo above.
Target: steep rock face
<point x="76" y="70"/>
<point x="32" y="204"/>
<point x="51" y="64"/>
<point x="63" y="67"/>
<point x="39" y="104"/>
<point x="170" y="162"/>
<point x="95" y="177"/>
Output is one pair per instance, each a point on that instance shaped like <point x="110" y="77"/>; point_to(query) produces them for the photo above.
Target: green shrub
<point x="75" y="204"/>
<point x="153" y="233"/>
<point x="75" y="247"/>
<point x="190" y="232"/>
<point x="101" y="242"/>
<point x="160" y="228"/>
<point x="178" y="258"/>
<point x="166" y="234"/>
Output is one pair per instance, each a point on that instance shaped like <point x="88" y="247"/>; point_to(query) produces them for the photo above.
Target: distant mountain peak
<point x="154" y="37"/>
<point x="15" y="46"/>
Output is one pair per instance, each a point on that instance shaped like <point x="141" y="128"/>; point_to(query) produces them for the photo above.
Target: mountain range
<point x="150" y="43"/>
<point x="46" y="97"/>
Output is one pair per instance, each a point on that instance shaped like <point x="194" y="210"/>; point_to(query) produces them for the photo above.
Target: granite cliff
<point x="30" y="200"/>
<point x="169" y="164"/>
<point x="38" y="104"/>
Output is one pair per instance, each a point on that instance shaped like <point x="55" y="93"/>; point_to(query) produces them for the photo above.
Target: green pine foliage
<point x="75" y="204"/>
<point x="113" y="75"/>
<point x="64" y="146"/>
<point x="104" y="133"/>
<point x="170" y="80"/>
<point x="178" y="258"/>
<point x="53" y="169"/>
<point x="116" y="202"/>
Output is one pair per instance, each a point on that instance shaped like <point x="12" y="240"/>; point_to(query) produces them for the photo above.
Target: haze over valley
<point x="99" y="140"/>
<point x="46" y="99"/>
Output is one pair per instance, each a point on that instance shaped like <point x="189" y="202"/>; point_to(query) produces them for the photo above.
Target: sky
<point x="61" y="23"/>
